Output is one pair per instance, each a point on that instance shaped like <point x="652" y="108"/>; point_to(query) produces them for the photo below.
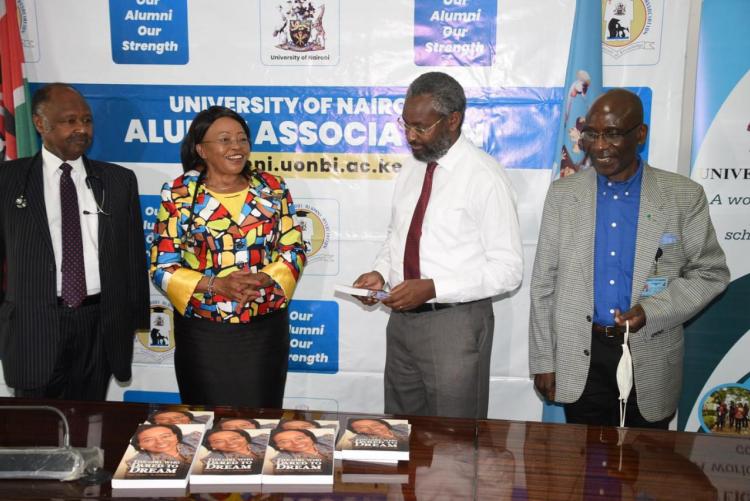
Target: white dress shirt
<point x="471" y="243"/>
<point x="89" y="223"/>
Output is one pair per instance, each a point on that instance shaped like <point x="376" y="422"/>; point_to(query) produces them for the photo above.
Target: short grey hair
<point x="447" y="94"/>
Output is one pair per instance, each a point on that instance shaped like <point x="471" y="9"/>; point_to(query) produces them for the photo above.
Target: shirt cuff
<point x="281" y="274"/>
<point x="449" y="290"/>
<point x="181" y="286"/>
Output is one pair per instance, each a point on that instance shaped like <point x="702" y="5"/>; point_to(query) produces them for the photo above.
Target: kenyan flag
<point x="17" y="133"/>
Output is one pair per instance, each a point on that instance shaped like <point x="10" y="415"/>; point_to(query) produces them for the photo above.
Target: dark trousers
<point x="232" y="364"/>
<point x="598" y="405"/>
<point x="81" y="371"/>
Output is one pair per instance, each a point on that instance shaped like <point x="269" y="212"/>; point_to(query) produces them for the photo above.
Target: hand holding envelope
<point x="368" y="288"/>
<point x="378" y="295"/>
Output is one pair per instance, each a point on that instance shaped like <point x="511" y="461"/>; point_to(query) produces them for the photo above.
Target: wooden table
<point x="450" y="459"/>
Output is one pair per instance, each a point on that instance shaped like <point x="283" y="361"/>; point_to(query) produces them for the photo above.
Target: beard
<point x="436" y="148"/>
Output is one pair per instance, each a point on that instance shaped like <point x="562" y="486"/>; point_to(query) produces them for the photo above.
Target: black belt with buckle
<point x="607" y="330"/>
<point x="87" y="301"/>
<point x="423" y="308"/>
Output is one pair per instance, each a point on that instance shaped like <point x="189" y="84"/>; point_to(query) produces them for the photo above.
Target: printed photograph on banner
<point x="631" y="32"/>
<point x="155" y="346"/>
<point x="319" y="219"/>
<point x="725" y="410"/>
<point x="27" y="23"/>
<point x="299" y="32"/>
<point x="313" y="337"/>
<point x="455" y="32"/>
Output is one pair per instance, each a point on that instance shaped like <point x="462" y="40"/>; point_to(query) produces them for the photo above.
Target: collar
<point x="630" y="183"/>
<point x="452" y="157"/>
<point x="257" y="185"/>
<point x="52" y="163"/>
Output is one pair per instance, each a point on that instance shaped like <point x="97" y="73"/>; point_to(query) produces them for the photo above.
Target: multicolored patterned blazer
<point x="265" y="239"/>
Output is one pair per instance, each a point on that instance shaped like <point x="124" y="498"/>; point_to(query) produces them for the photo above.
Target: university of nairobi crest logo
<point x="23" y="18"/>
<point x="301" y="27"/>
<point x="315" y="231"/>
<point x="319" y="220"/>
<point x="27" y="25"/>
<point x="160" y="336"/>
<point x="626" y="25"/>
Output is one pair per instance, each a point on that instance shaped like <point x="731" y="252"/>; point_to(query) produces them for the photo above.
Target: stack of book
<point x="374" y="439"/>
<point x="300" y="453"/>
<point x="176" y="446"/>
<point x="159" y="456"/>
<point x="230" y="457"/>
<point x="174" y="415"/>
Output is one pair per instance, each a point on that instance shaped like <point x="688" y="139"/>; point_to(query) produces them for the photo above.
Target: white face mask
<point x="625" y="374"/>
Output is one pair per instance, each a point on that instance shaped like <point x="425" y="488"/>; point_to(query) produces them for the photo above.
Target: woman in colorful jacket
<point x="228" y="253"/>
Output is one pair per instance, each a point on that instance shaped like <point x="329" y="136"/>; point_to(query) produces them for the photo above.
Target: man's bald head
<point x="621" y="102"/>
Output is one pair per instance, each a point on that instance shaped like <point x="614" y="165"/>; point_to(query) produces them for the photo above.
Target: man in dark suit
<point x="71" y="235"/>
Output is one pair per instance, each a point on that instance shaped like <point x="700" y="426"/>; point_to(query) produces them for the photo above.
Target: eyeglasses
<point x="420" y="131"/>
<point x="609" y="136"/>
<point x="241" y="142"/>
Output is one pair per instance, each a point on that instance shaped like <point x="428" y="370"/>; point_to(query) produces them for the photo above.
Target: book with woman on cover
<point x="297" y="424"/>
<point x="158" y="456"/>
<point x="180" y="415"/>
<point x="230" y="457"/>
<point x="375" y="439"/>
<point x="299" y="456"/>
<point x="246" y="423"/>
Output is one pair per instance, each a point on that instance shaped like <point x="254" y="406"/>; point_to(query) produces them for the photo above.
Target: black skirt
<point x="232" y="364"/>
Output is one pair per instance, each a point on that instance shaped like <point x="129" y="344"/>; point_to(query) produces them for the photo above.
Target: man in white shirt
<point x="71" y="236"/>
<point x="453" y="243"/>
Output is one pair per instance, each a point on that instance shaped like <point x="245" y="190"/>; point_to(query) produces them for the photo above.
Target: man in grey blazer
<point x="71" y="234"/>
<point x="622" y="242"/>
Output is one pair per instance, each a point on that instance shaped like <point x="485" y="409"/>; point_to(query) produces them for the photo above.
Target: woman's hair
<point x="283" y="421"/>
<point x="135" y="440"/>
<point x="242" y="433"/>
<point x="249" y="420"/>
<point x="188" y="414"/>
<point x="276" y="431"/>
<point x="189" y="156"/>
<point x="381" y="421"/>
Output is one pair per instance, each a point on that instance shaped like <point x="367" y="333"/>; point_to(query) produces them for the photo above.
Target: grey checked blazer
<point x="562" y="292"/>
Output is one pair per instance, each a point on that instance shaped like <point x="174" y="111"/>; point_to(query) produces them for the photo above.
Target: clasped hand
<point x="241" y="285"/>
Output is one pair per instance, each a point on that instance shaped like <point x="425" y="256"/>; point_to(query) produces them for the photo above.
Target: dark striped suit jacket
<point x="29" y="324"/>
